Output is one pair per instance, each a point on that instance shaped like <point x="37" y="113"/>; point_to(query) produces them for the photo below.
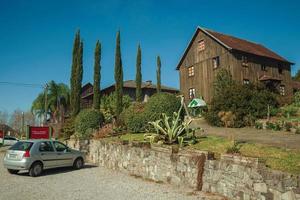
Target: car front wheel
<point x="36" y="169"/>
<point x="12" y="171"/>
<point x="78" y="163"/>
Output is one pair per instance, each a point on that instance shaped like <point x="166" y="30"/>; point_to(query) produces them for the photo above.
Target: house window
<point x="282" y="90"/>
<point x="216" y="62"/>
<point x="263" y="67"/>
<point x="201" y="45"/>
<point x="192" y="93"/>
<point x="246" y="82"/>
<point x="280" y="71"/>
<point x="244" y="61"/>
<point x="191" y="71"/>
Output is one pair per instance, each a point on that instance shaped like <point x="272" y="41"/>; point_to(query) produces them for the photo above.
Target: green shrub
<point x="246" y="102"/>
<point x="297" y="99"/>
<point x="87" y="121"/>
<point x="68" y="129"/>
<point x="288" y="126"/>
<point x="162" y="103"/>
<point x="134" y="118"/>
<point x="108" y="105"/>
<point x="258" y="125"/>
<point x="270" y="126"/>
<point x="289" y="111"/>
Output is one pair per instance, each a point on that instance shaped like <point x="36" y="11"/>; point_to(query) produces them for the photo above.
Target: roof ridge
<point x="233" y="36"/>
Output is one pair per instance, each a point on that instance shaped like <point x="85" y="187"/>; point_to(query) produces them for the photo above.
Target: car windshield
<point x="21" y="146"/>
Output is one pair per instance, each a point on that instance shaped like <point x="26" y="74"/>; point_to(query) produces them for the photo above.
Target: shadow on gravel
<point x="62" y="170"/>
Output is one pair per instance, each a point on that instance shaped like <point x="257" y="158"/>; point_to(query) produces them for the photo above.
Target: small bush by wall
<point x="162" y="103"/>
<point x="134" y="118"/>
<point x="87" y="121"/>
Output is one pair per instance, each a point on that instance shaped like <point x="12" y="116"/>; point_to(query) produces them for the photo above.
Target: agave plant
<point x="171" y="130"/>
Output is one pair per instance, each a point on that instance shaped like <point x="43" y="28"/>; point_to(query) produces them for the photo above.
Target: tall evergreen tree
<point x="158" y="74"/>
<point x="97" y="76"/>
<point x="138" y="77"/>
<point x="79" y="74"/>
<point x="74" y="72"/>
<point x="118" y="76"/>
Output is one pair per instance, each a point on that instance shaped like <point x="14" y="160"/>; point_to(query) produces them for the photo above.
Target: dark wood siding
<point x="202" y="61"/>
<point x="203" y="79"/>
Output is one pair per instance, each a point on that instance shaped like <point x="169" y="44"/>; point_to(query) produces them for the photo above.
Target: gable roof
<point x="234" y="43"/>
<point x="145" y="85"/>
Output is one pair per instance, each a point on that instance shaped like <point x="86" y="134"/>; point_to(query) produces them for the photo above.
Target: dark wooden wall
<point x="205" y="74"/>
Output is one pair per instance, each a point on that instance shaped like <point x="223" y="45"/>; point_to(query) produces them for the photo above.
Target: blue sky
<point x="36" y="36"/>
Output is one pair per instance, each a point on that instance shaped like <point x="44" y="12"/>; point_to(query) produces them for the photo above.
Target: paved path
<point x="90" y="183"/>
<point x="267" y="137"/>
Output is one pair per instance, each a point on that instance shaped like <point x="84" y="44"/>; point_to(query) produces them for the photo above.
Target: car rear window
<point x="21" y="146"/>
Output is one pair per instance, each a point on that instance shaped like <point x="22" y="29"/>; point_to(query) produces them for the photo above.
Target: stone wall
<point x="235" y="177"/>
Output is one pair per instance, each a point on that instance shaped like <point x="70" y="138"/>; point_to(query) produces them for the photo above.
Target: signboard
<point x="1" y="134"/>
<point x="37" y="132"/>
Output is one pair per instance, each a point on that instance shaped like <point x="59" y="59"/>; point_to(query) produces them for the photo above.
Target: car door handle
<point x="58" y="153"/>
<point x="42" y="154"/>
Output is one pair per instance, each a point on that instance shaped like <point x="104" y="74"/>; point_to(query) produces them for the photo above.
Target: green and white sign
<point x="197" y="103"/>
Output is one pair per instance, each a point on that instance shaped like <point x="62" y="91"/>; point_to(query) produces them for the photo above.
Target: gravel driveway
<point x="89" y="183"/>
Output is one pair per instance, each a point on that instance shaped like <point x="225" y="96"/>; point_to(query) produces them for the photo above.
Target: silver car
<point x="8" y="140"/>
<point x="37" y="155"/>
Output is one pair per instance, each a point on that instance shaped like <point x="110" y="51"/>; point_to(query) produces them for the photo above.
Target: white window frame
<point x="192" y="93"/>
<point x="282" y="90"/>
<point x="246" y="81"/>
<point x="216" y="62"/>
<point x="245" y="61"/>
<point x="201" y="46"/>
<point x="191" y="71"/>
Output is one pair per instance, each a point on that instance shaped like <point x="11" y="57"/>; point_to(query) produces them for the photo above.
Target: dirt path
<point x="266" y="137"/>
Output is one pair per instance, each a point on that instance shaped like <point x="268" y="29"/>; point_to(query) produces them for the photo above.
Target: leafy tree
<point x="245" y="103"/>
<point x="97" y="76"/>
<point x="58" y="102"/>
<point x="4" y="117"/>
<point x="158" y="74"/>
<point x="118" y="76"/>
<point x="297" y="76"/>
<point x="76" y="74"/>
<point x="138" y="78"/>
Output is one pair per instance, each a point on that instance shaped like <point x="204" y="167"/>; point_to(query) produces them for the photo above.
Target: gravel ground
<point x="89" y="183"/>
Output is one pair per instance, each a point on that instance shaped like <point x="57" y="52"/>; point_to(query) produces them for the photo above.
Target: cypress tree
<point x="118" y="76"/>
<point x="73" y="78"/>
<point x="79" y="75"/>
<point x="138" y="77"/>
<point x="97" y="76"/>
<point x="158" y="75"/>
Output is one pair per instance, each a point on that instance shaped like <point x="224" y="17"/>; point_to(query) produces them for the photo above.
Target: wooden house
<point x="249" y="62"/>
<point x="129" y="88"/>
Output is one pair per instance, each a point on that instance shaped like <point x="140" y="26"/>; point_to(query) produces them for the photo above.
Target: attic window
<point x="191" y="71"/>
<point x="280" y="71"/>
<point x="216" y="62"/>
<point x="263" y="67"/>
<point x="245" y="61"/>
<point x="201" y="45"/>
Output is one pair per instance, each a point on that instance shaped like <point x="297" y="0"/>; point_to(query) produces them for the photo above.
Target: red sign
<point x="1" y="134"/>
<point x="36" y="132"/>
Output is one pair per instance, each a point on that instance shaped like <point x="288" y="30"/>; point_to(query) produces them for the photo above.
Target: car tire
<point x="78" y="163"/>
<point x="12" y="171"/>
<point x="36" y="169"/>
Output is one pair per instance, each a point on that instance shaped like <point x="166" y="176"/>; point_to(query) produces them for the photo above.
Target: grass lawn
<point x="275" y="158"/>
